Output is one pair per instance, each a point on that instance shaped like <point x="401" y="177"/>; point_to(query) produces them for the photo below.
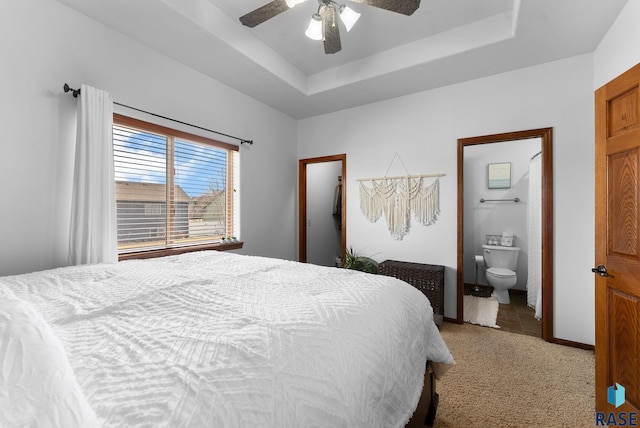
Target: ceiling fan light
<point x="348" y="16"/>
<point x="292" y="3"/>
<point x="314" y="31"/>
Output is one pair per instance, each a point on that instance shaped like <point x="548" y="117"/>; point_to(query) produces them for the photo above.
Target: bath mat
<point x="481" y="311"/>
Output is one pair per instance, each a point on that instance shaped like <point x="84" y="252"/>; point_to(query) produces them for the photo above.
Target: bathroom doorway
<point x="322" y="210"/>
<point x="507" y="197"/>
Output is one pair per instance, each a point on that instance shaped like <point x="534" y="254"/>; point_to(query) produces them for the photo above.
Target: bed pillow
<point x="37" y="385"/>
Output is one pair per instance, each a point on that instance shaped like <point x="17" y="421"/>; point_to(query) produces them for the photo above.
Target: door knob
<point x="600" y="270"/>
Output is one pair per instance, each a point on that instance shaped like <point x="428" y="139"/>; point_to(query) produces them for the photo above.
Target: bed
<point x="213" y="339"/>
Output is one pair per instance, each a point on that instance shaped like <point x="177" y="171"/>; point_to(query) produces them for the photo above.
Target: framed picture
<point x="499" y="175"/>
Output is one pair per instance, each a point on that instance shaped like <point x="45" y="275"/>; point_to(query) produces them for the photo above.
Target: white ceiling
<point x="385" y="54"/>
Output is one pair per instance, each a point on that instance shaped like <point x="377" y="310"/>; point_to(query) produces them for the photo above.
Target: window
<point x="174" y="191"/>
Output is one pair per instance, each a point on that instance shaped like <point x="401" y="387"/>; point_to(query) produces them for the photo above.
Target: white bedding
<point x="213" y="339"/>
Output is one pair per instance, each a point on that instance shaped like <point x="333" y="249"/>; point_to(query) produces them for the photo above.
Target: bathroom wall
<point x="494" y="218"/>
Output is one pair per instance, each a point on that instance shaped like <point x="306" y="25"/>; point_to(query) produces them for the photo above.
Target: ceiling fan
<point x="324" y="23"/>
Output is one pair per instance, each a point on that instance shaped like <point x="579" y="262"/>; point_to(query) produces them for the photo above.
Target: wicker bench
<point x="427" y="278"/>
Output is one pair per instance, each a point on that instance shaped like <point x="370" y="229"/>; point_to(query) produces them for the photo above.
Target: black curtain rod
<point x="76" y="92"/>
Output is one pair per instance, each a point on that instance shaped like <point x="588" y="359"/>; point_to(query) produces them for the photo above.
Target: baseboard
<point x="572" y="344"/>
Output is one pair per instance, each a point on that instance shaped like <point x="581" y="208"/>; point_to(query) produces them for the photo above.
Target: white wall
<point x="45" y="44"/>
<point x="423" y="129"/>
<point x="494" y="218"/>
<point x="618" y="51"/>
<point x="324" y="236"/>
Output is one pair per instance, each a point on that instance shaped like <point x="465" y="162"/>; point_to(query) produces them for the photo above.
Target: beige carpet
<point x="511" y="380"/>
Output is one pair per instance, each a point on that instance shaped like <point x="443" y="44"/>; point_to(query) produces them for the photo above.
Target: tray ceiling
<point x="385" y="55"/>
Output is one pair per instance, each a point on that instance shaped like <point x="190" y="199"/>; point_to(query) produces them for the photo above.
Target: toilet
<point x="501" y="265"/>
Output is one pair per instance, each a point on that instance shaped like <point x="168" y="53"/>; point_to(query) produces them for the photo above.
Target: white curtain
<point x="93" y="236"/>
<point x="534" y="279"/>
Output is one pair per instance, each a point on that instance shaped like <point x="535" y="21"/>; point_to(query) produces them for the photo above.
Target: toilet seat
<point x="501" y="272"/>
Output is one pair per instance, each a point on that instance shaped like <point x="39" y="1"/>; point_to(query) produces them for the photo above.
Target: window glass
<point x="172" y="190"/>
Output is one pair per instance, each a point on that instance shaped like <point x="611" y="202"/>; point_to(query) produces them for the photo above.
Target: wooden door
<point x="617" y="288"/>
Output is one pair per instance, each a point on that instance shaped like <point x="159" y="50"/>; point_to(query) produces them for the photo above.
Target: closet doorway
<point x="319" y="181"/>
<point x="545" y="134"/>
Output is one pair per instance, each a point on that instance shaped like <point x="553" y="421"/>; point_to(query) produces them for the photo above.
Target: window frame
<point x="172" y="133"/>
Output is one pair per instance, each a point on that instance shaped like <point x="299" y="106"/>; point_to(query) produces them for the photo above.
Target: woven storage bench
<point x="427" y="278"/>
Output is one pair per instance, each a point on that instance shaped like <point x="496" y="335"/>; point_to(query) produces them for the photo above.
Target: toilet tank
<point x="500" y="257"/>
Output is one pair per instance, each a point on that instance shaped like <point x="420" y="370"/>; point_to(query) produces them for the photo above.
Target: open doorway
<point x="545" y="135"/>
<point x="321" y="189"/>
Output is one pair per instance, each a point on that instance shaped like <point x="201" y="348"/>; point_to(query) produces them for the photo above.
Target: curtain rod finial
<point x="249" y="142"/>
<point x="68" y="88"/>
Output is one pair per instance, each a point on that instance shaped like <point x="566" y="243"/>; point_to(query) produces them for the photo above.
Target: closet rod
<point x="482" y="201"/>
<point x="76" y="92"/>
<point x="401" y="176"/>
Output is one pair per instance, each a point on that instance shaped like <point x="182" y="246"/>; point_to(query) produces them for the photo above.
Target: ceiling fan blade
<point x="264" y="13"/>
<point x="331" y="30"/>
<point x="405" y="7"/>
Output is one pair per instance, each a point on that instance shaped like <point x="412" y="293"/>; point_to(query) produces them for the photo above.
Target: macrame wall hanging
<point x="399" y="196"/>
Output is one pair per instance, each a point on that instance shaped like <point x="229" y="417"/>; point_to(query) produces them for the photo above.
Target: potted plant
<point x="355" y="261"/>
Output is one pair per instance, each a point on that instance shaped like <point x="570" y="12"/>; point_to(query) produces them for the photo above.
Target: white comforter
<point x="212" y="339"/>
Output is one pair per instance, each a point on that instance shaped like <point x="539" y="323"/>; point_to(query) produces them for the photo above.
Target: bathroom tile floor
<point x="516" y="317"/>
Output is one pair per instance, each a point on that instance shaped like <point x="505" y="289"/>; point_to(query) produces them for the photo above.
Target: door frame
<point x="545" y="134"/>
<point x="302" y="203"/>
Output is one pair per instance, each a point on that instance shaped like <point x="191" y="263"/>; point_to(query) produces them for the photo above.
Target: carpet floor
<point x="511" y="380"/>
